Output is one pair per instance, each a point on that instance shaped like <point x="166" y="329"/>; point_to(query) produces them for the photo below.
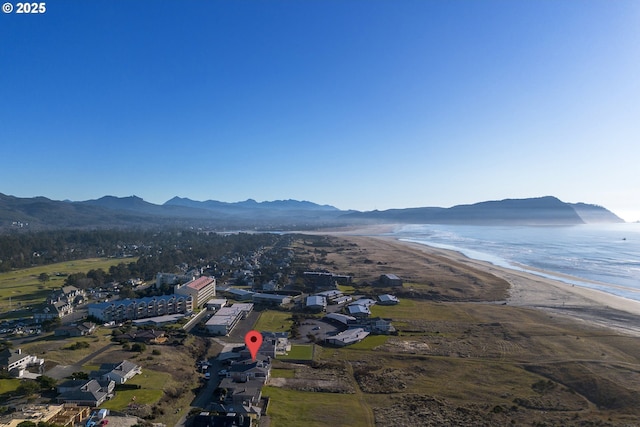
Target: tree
<point x="46" y="383"/>
<point x="139" y="347"/>
<point x="28" y="388"/>
<point x="43" y="277"/>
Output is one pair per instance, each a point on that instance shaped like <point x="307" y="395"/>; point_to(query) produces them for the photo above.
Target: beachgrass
<point x="292" y="408"/>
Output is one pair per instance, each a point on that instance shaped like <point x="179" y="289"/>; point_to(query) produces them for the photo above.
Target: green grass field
<point x="283" y="373"/>
<point x="299" y="352"/>
<point x="8" y="385"/>
<point x="273" y="321"/>
<point x="21" y="288"/>
<point x="152" y="383"/>
<point x="290" y="408"/>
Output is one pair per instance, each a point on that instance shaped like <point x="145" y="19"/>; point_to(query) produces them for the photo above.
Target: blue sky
<point x="360" y="104"/>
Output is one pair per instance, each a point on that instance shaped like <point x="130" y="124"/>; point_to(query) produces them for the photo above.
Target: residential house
<point x="119" y="372"/>
<point x="15" y="362"/>
<point x="58" y="309"/>
<point x="248" y="369"/>
<point x="76" y="330"/>
<point x="69" y="294"/>
<point x="86" y="392"/>
<point x="340" y="318"/>
<point x="316" y="303"/>
<point x="278" y="340"/>
<point x="348" y="337"/>
<point x="390" y="280"/>
<point x="387" y="299"/>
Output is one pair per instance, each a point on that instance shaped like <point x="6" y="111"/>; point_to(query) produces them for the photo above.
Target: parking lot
<point x="319" y="328"/>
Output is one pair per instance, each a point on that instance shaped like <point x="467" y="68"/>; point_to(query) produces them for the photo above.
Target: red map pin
<point x="253" y="340"/>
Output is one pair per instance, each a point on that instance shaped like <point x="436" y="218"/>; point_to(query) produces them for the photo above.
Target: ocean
<point x="598" y="256"/>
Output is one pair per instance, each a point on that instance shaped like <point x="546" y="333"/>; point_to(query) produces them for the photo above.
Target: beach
<point x="525" y="289"/>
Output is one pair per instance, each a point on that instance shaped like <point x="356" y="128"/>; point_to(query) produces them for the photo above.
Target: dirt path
<point x="369" y="417"/>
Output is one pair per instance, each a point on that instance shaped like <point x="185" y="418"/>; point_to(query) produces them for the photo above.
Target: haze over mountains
<point x="41" y="213"/>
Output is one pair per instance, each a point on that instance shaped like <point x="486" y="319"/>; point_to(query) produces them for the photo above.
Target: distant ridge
<point x="39" y="213"/>
<point x="546" y="210"/>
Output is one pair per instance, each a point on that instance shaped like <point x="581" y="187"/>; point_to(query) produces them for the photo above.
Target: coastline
<point x="529" y="290"/>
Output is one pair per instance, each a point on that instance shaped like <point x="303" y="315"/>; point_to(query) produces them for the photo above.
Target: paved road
<point x="63" y="371"/>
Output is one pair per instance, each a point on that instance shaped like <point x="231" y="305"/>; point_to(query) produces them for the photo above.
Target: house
<point x="247" y="369"/>
<point x="55" y="310"/>
<point x="357" y="310"/>
<point x="387" y="299"/>
<point x="76" y="330"/>
<point x="316" y="303"/>
<point x="361" y="307"/>
<point x="350" y="336"/>
<point x="15" y="362"/>
<point x="340" y="318"/>
<point x="375" y="325"/>
<point x="86" y="392"/>
<point x="330" y="295"/>
<point x="390" y="280"/>
<point x="279" y="341"/>
<point x="69" y="294"/>
<point x="119" y="372"/>
<point x="246" y="393"/>
<point x="223" y="416"/>
<point x="147" y="336"/>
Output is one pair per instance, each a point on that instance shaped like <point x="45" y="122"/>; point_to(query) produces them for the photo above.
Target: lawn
<point x="152" y="383"/>
<point x="299" y="352"/>
<point x="8" y="385"/>
<point x="273" y="321"/>
<point x="21" y="288"/>
<point x="291" y="408"/>
<point x="283" y="373"/>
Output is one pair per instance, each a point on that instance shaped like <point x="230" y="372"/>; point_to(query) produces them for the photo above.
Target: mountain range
<point x="40" y="213"/>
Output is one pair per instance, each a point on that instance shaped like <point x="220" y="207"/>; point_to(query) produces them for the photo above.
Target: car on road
<point x="207" y="376"/>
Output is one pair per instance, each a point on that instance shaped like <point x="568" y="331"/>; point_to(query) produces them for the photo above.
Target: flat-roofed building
<point x="240" y="294"/>
<point x="216" y="303"/>
<point x="201" y="289"/>
<point x="270" y="299"/>
<point x="227" y="318"/>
